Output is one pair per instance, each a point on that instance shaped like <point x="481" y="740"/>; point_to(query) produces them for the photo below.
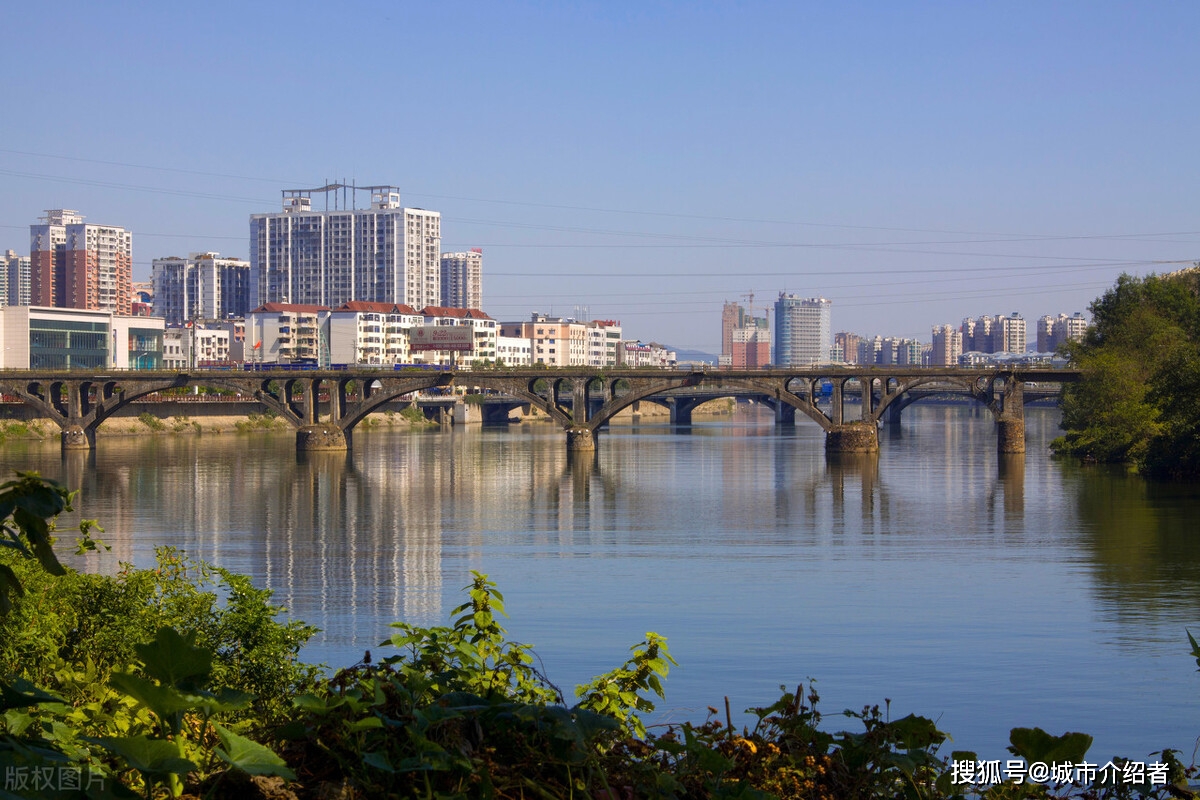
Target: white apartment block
<point x="998" y="334"/>
<point x="513" y="351"/>
<point x="202" y="286"/>
<point x="462" y="279"/>
<point x="188" y="347"/>
<point x="364" y="333"/>
<point x="382" y="254"/>
<point x="558" y="342"/>
<point x="1053" y="331"/>
<point x="283" y="333"/>
<point x="14" y="279"/>
<point x="603" y="342"/>
<point x="803" y="330"/>
<point x="636" y="354"/>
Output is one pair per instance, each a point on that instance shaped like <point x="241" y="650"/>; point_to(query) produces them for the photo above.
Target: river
<point x="985" y="592"/>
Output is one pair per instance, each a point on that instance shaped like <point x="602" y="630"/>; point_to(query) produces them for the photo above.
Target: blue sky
<point x="913" y="162"/>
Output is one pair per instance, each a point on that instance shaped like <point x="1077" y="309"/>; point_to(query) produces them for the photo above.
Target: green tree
<point x="1138" y="399"/>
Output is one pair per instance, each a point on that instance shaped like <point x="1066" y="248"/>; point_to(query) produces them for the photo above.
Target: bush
<point x="152" y="422"/>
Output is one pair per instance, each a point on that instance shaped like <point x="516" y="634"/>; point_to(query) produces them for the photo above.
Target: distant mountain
<point x="694" y="355"/>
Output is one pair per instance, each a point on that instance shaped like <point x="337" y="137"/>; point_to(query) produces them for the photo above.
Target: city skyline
<point x="914" y="165"/>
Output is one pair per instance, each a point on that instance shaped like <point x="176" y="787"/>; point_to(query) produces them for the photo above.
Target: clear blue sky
<point x="913" y="162"/>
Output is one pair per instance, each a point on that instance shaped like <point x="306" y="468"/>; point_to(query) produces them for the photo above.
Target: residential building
<point x="803" y="330"/>
<point x="362" y="332"/>
<point x="947" y="346"/>
<point x="14" y="279"/>
<point x="484" y="334"/>
<point x="285" y="333"/>
<point x="74" y="264"/>
<point x="562" y="342"/>
<point x="1012" y="336"/>
<point x="870" y="351"/>
<point x="382" y="254"/>
<point x="745" y="338"/>
<point x="998" y="334"/>
<point x="603" y="342"/>
<point x="38" y="337"/>
<point x="513" y="351"/>
<point x="549" y="339"/>
<point x="462" y="279"/>
<point x="848" y="343"/>
<point x="188" y="347"/>
<point x="1053" y="331"/>
<point x="202" y="286"/>
<point x="635" y="354"/>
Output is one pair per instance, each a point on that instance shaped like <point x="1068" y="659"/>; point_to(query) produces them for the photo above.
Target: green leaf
<point x="153" y="756"/>
<point x="174" y="659"/>
<point x="379" y="761"/>
<point x="250" y="756"/>
<point x="364" y="724"/>
<point x="10" y="587"/>
<point x="22" y="694"/>
<point x="1034" y="744"/>
<point x="164" y="701"/>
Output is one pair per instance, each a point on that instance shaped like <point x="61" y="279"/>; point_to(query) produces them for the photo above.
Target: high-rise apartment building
<point x="998" y="334"/>
<point x="1053" y="331"/>
<point x="803" y="330"/>
<point x="382" y="254"/>
<point x="202" y="286"/>
<point x="14" y="279"/>
<point x="74" y="264"/>
<point x="462" y="279"/>
<point x="847" y="343"/>
<point x="745" y="338"/>
<point x="1013" y="334"/>
<point x="947" y="346"/>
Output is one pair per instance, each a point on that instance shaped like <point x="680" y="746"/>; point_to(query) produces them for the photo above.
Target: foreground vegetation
<point x="183" y="680"/>
<point x="1139" y="400"/>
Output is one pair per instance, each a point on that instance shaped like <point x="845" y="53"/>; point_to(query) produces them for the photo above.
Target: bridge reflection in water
<point x="847" y="403"/>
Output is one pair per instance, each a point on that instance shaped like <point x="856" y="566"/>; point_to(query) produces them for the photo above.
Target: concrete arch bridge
<point x="325" y="405"/>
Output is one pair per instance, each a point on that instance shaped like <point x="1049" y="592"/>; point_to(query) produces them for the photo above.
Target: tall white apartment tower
<point x="462" y="279"/>
<point x="202" y="286"/>
<point x="803" y="330"/>
<point x="15" y="280"/>
<point x="382" y="254"/>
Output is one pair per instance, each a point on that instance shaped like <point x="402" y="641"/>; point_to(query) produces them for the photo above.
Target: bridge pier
<point x="1010" y="434"/>
<point x="681" y="410"/>
<point x="321" y="437"/>
<point x="852" y="437"/>
<point x="891" y="414"/>
<point x="77" y="437"/>
<point x="785" y="413"/>
<point x="580" y="439"/>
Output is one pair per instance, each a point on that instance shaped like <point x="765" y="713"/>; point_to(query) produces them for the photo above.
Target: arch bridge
<point x="581" y="400"/>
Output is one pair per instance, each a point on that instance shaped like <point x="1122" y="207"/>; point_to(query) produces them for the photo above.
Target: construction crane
<point x="749" y="302"/>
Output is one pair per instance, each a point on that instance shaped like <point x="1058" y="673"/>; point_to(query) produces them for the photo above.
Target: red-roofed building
<point x="364" y="332"/>
<point x="283" y="333"/>
<point x="485" y="330"/>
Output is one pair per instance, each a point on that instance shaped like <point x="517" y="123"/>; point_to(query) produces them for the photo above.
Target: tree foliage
<point x="1139" y="399"/>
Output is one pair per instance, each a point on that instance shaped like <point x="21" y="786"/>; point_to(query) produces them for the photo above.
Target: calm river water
<point x="984" y="592"/>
